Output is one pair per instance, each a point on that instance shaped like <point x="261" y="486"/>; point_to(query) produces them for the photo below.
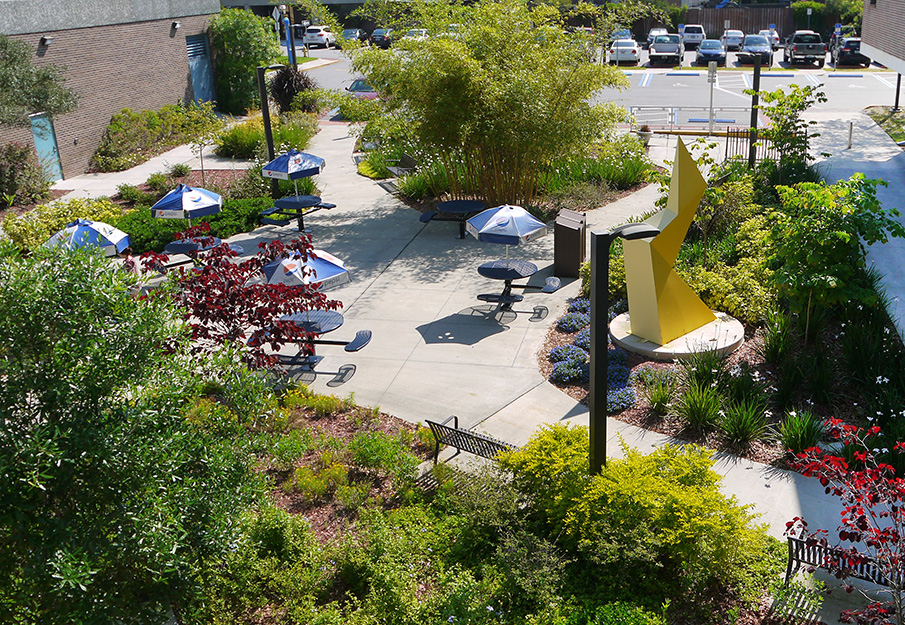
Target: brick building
<point x="116" y="54"/>
<point x="883" y="33"/>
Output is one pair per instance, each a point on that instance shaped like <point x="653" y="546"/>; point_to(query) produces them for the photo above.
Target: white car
<point x="319" y="36"/>
<point x="625" y="51"/>
<point x="418" y="34"/>
<point x="693" y="35"/>
<point x="772" y="36"/>
<point x="654" y="33"/>
<point x="732" y="39"/>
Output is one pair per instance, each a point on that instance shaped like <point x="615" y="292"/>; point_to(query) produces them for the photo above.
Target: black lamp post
<point x="265" y="113"/>
<point x="600" y="295"/>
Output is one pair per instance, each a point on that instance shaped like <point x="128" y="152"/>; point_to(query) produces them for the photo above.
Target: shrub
<point x="620" y="163"/>
<point x="241" y="42"/>
<point x="568" y="352"/>
<point x="573" y="322"/>
<point x="800" y="430"/>
<point x="22" y="180"/>
<point x="788" y="383"/>
<point x="160" y="183"/>
<point x="241" y="140"/>
<point x="743" y="422"/>
<point x="657" y="387"/>
<point x="659" y="523"/>
<point x="742" y="290"/>
<point x="699" y="406"/>
<point x="570" y="372"/>
<point x="415" y="186"/>
<point x="619" y="399"/>
<point x="148" y="233"/>
<point x="583" y="339"/>
<point x="706" y="368"/>
<point x="288" y="83"/>
<point x="293" y="131"/>
<point x="289" y="448"/>
<point x="132" y="137"/>
<point x="580" y="305"/>
<point x="179" y="170"/>
<point x="384" y="453"/>
<point x="34" y="228"/>
<point x="777" y="343"/>
<point x="744" y="385"/>
<point x="820" y="379"/>
<point x="131" y="193"/>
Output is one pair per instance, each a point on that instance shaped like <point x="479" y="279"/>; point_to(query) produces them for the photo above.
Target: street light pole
<point x="600" y="295"/>
<point x="265" y="114"/>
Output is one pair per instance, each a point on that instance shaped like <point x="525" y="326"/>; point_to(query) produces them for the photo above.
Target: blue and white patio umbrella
<point x="294" y="165"/>
<point x="185" y="202"/>
<point x="85" y="233"/>
<point x="321" y="269"/>
<point x="509" y="225"/>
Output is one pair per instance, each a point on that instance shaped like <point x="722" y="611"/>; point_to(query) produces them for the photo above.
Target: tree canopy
<point x="495" y="95"/>
<point x="121" y="477"/>
<point x="26" y="89"/>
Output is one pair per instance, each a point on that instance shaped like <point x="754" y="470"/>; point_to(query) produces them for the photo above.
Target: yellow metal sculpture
<point x="661" y="306"/>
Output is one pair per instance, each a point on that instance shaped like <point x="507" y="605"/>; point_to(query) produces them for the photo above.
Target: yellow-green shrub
<point x="34" y="228"/>
<point x="616" y="274"/>
<point x="665" y="510"/>
<point x="742" y="290"/>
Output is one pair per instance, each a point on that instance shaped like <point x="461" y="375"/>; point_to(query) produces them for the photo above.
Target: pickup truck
<point x="667" y="49"/>
<point x="804" y="46"/>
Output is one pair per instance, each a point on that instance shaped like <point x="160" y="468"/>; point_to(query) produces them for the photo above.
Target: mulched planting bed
<point x="328" y="517"/>
<point x="642" y="415"/>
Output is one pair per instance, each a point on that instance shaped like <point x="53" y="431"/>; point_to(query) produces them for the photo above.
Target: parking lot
<point x="732" y="61"/>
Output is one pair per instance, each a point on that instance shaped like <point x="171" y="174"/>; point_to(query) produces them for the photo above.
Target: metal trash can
<point x="569" y="243"/>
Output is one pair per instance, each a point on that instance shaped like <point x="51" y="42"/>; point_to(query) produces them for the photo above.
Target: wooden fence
<point x="748" y="19"/>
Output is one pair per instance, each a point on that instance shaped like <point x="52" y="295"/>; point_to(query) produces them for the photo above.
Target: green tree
<point x="118" y="483"/>
<point x="820" y="239"/>
<point x="26" y="89"/>
<point x="494" y="100"/>
<point x="242" y="42"/>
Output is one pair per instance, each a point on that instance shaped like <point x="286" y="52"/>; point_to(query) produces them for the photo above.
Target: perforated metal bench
<point x="403" y="166"/>
<point x="465" y="440"/>
<point x="804" y="553"/>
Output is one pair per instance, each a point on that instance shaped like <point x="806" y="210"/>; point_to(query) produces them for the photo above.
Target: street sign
<point x="681" y="28"/>
<point x="772" y="26"/>
<point x="837" y="29"/>
<point x="809" y="10"/>
<point x="711" y="71"/>
<point x="276" y="14"/>
<point x="726" y="24"/>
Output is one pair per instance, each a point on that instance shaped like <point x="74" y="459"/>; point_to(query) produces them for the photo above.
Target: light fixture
<point x="45" y="40"/>
<point x="177" y="25"/>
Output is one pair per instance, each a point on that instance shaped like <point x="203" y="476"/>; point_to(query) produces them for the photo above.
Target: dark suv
<point x="382" y="38"/>
<point x="848" y="52"/>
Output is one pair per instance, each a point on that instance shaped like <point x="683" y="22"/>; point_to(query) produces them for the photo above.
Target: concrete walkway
<point x="437" y="350"/>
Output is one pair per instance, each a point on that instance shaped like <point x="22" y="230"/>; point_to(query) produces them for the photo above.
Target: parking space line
<point x="646" y="80"/>
<point x="884" y="81"/>
<point x="813" y="79"/>
<point x="833" y="75"/>
<point x="747" y="80"/>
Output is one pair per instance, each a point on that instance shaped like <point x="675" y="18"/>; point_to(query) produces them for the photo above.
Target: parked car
<point x="804" y="46"/>
<point x="654" y="33"/>
<point x="361" y="90"/>
<point x="667" y="49"/>
<point x="848" y="52"/>
<point x="382" y="38"/>
<point x="418" y="34"/>
<point x="756" y="46"/>
<point x="693" y="35"/>
<point x="732" y="39"/>
<point x="352" y="34"/>
<point x="620" y="33"/>
<point x="710" y="50"/>
<point x="772" y="36"/>
<point x="625" y="51"/>
<point x="319" y="36"/>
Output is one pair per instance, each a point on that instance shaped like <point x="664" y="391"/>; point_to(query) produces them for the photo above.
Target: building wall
<point x="140" y="65"/>
<point x="883" y="33"/>
<point x="27" y="16"/>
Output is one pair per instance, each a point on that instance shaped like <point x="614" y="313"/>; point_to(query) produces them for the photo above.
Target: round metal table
<point x="461" y="209"/>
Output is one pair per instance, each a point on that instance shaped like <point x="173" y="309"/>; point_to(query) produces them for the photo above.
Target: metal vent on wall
<point x="196" y="45"/>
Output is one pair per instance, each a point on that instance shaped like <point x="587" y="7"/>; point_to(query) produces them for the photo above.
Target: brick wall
<point x="142" y="65"/>
<point x="883" y="28"/>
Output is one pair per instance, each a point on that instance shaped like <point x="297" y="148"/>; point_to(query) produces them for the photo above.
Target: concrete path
<point x="437" y="350"/>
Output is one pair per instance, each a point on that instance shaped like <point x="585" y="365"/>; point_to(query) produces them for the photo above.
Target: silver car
<point x="732" y="39"/>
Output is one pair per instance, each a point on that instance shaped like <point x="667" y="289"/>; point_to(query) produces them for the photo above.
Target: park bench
<point x="803" y="552"/>
<point x="465" y="440"/>
<point x="403" y="166"/>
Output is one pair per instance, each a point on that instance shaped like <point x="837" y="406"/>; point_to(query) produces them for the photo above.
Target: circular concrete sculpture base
<point x="726" y="334"/>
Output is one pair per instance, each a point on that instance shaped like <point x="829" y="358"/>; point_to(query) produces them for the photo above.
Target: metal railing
<point x="696" y="117"/>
